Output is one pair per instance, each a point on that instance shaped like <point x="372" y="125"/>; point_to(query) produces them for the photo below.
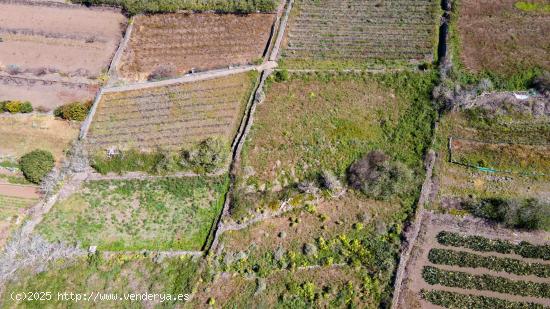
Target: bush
<point x="77" y="111"/>
<point x="281" y="76"/>
<point x="379" y="177"/>
<point x="16" y="107"/>
<point x="162" y="72"/>
<point x="36" y="164"/>
<point x="207" y="156"/>
<point x="542" y="83"/>
<point x="528" y="214"/>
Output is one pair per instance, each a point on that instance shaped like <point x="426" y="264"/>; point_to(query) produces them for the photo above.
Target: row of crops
<point x="170" y="116"/>
<point x="478" y="272"/>
<point x="198" y="41"/>
<point x="357" y="30"/>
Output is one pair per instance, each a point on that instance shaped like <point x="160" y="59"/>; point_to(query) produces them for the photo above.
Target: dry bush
<point x="162" y="72"/>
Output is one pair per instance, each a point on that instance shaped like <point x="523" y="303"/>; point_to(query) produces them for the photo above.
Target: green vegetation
<point x="163" y="6"/>
<point x="36" y="164"/>
<point x="466" y="259"/>
<point x="482" y="244"/>
<point x="456" y="300"/>
<point x="119" y="274"/>
<point x="204" y="157"/>
<point x="457" y="279"/>
<point x="77" y="111"/>
<point x="163" y="214"/>
<point x="531" y="214"/>
<point x="16" y="107"/>
<point x="532" y="7"/>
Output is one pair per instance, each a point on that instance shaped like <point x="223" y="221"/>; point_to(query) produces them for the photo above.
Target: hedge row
<point x="77" y="111"/>
<point x="15" y="107"/>
<point x="456" y="300"/>
<point x="483" y="244"/>
<point x="457" y="279"/>
<point x="163" y="6"/>
<point x="466" y="259"/>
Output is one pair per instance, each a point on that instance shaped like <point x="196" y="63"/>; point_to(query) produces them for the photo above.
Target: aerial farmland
<point x="274" y="154"/>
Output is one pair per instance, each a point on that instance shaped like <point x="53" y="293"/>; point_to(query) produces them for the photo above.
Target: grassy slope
<point x="160" y="214"/>
<point x="120" y="274"/>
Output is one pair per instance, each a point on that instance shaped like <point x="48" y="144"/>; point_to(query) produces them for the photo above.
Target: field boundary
<point x="85" y="127"/>
<point x="280" y="33"/>
<point x="113" y="67"/>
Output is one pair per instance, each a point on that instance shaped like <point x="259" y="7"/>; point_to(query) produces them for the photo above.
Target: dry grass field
<point x="351" y="33"/>
<point x="55" y="47"/>
<point x="201" y="41"/>
<point x="171" y="116"/>
<point x="466" y="263"/>
<point x="498" y="37"/>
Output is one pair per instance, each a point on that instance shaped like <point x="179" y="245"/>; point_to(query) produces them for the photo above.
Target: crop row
<point x="463" y="280"/>
<point x="457" y="300"/>
<point x="466" y="259"/>
<point x="159" y="107"/>
<point x="483" y="244"/>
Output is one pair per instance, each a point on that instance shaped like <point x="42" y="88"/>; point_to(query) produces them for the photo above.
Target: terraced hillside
<point x="181" y="42"/>
<point x="171" y="116"/>
<point x="355" y="33"/>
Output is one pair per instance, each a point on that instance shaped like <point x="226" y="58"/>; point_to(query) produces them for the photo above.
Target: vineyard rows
<point x="170" y="116"/>
<point x="199" y="41"/>
<point x="388" y="30"/>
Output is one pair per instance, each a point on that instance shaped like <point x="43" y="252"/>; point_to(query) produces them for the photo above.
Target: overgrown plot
<point x="172" y="116"/>
<point x="175" y="44"/>
<point x="163" y="214"/>
<point x="351" y="33"/>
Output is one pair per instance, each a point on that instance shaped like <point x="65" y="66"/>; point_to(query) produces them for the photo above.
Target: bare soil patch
<point x="55" y="43"/>
<point x="497" y="37"/>
<point x="184" y="41"/>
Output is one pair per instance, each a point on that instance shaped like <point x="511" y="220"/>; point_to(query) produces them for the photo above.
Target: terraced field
<point x="181" y="42"/>
<point x="171" y="116"/>
<point x="354" y="33"/>
<point x="453" y="267"/>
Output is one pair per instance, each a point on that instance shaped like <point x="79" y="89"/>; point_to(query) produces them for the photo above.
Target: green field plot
<point x="357" y="34"/>
<point x="117" y="275"/>
<point x="502" y="157"/>
<point x="163" y="214"/>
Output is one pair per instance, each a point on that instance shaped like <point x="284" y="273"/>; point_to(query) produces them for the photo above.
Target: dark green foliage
<point x="16" y="107"/>
<point x="379" y="177"/>
<point x="207" y="156"/>
<point x="466" y="259"/>
<point x="462" y="301"/>
<point x="457" y="279"/>
<point x="281" y="75"/>
<point x="129" y="161"/>
<point x="162" y="6"/>
<point x="36" y="164"/>
<point x="529" y="213"/>
<point x="482" y="244"/>
<point x="542" y="83"/>
<point x="77" y="111"/>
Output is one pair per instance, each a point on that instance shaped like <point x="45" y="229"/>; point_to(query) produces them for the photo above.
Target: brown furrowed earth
<point x="171" y="116"/>
<point x="495" y="36"/>
<point x="62" y="50"/>
<point x="354" y="34"/>
<point x="185" y="41"/>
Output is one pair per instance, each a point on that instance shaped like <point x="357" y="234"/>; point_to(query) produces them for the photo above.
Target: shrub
<point x="36" y="164"/>
<point x="16" y="107"/>
<point x="379" y="177"/>
<point x="162" y="72"/>
<point x="77" y="111"/>
<point x="281" y="76"/>
<point x="542" y="83"/>
<point x="207" y="156"/>
<point x="529" y="213"/>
